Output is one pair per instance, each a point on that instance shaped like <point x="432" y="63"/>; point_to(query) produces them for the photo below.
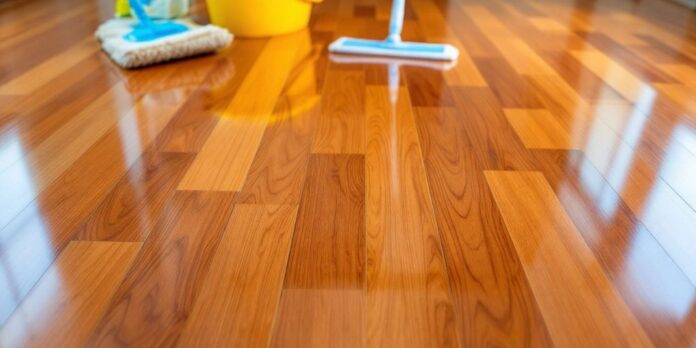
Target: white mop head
<point x="197" y="40"/>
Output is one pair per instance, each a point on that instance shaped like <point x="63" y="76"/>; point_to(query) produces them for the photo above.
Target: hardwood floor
<point x="539" y="192"/>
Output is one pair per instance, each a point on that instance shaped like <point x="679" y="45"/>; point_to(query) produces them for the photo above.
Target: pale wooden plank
<point x="225" y="159"/>
<point x="66" y="304"/>
<point x="244" y="280"/>
<point x="578" y="301"/>
<point x="539" y="129"/>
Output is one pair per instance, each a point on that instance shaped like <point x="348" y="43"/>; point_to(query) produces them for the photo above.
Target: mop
<point x="392" y="45"/>
<point x="144" y="41"/>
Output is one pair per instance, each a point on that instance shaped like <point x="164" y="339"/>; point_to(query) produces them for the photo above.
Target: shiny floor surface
<point x="539" y="192"/>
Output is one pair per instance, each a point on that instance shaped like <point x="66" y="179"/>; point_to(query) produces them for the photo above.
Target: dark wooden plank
<point x="427" y="87"/>
<point x="151" y="305"/>
<point x="323" y="296"/>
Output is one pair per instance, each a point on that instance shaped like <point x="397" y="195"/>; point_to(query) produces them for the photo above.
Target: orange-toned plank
<point x="615" y="75"/>
<point x="279" y="168"/>
<point x="223" y="162"/>
<point x="151" y="305"/>
<point x="652" y="284"/>
<point x="98" y="129"/>
<point x="620" y="54"/>
<point x="44" y="226"/>
<point x="240" y="295"/>
<point x="684" y="96"/>
<point x="195" y="120"/>
<point x="436" y="28"/>
<point x="548" y="24"/>
<point x="323" y="296"/>
<point x="31" y="80"/>
<point x="341" y="127"/>
<point x="684" y="73"/>
<point x="509" y="87"/>
<point x="408" y="301"/>
<point x="589" y="86"/>
<point x="26" y="177"/>
<point x="131" y="210"/>
<point x="66" y="304"/>
<point x="579" y="303"/>
<point x="492" y="298"/>
<point x="539" y="129"/>
<point x="517" y="52"/>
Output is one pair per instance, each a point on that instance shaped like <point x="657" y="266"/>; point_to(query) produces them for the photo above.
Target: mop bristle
<point x="197" y="40"/>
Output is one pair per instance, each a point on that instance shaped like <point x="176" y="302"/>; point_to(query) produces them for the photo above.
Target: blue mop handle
<point x="140" y="13"/>
<point x="397" y="20"/>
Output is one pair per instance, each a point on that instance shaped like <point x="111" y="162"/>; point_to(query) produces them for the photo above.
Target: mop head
<point x="388" y="48"/>
<point x="197" y="40"/>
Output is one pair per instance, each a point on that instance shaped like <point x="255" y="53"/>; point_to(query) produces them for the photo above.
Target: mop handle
<point x="139" y="11"/>
<point x="397" y="20"/>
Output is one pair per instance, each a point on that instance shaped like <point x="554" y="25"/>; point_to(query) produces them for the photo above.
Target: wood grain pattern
<point x="130" y="211"/>
<point x="244" y="280"/>
<point x="408" y="300"/>
<point x="223" y="162"/>
<point x="558" y="262"/>
<point x="341" y="127"/>
<point x="65" y="305"/>
<point x="151" y="305"/>
<point x="323" y="296"/>
<point x="494" y="304"/>
<point x="581" y="110"/>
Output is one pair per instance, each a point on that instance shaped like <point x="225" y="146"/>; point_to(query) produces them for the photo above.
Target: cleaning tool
<point x="392" y="45"/>
<point x="260" y="18"/>
<point x="144" y="41"/>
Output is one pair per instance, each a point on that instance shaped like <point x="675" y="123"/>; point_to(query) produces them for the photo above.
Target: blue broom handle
<point x="397" y="20"/>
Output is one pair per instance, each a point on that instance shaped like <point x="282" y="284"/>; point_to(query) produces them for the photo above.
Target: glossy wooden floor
<point x="540" y="192"/>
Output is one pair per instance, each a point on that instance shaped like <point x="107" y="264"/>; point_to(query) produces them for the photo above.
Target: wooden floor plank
<point x="577" y="300"/>
<point x="278" y="171"/>
<point x="493" y="301"/>
<point x="131" y="210"/>
<point x="44" y="226"/>
<point x="223" y="162"/>
<point x="323" y="301"/>
<point x="197" y="118"/>
<point x="341" y="127"/>
<point x="539" y="129"/>
<point x="31" y="80"/>
<point x="150" y="307"/>
<point x="634" y="261"/>
<point x="68" y="301"/>
<point x="244" y="280"/>
<point x="408" y="300"/>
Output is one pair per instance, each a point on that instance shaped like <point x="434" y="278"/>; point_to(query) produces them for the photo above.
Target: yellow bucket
<point x="256" y="18"/>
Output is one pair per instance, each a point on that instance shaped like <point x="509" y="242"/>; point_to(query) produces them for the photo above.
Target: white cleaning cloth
<point x="197" y="40"/>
